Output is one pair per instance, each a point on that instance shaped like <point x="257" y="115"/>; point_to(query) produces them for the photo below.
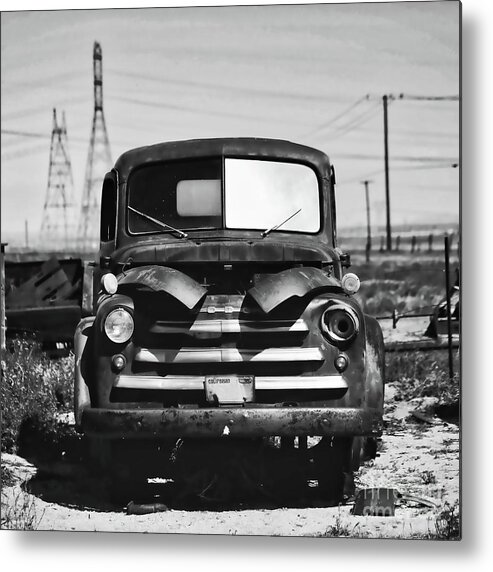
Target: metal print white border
<point x="322" y="101"/>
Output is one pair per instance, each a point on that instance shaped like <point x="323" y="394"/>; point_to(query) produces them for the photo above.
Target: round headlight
<point x="109" y="283"/>
<point x="119" y="326"/>
<point x="350" y="283"/>
<point x="340" y="323"/>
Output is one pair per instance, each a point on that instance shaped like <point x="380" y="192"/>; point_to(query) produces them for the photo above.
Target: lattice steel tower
<point x="58" y="223"/>
<point x="98" y="163"/>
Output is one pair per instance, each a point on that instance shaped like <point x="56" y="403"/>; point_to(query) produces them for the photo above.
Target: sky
<point x="312" y="74"/>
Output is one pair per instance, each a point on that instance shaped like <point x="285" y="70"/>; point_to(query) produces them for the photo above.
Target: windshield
<point x="252" y="194"/>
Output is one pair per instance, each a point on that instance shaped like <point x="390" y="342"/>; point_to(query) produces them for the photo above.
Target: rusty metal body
<point x="234" y="422"/>
<point x="227" y="306"/>
<point x="44" y="298"/>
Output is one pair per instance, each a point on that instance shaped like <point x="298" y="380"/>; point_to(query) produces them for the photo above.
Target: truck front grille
<point x="173" y="355"/>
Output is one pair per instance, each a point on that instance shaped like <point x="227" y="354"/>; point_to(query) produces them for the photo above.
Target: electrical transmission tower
<point x="57" y="226"/>
<point x="98" y="163"/>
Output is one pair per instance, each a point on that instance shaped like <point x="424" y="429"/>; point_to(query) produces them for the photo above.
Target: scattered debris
<point x="375" y="502"/>
<point x="49" y="285"/>
<point x="137" y="508"/>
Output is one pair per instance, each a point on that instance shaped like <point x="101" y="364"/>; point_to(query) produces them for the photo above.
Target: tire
<point x="127" y="479"/>
<point x="331" y="458"/>
<point x="362" y="449"/>
<point x="357" y="453"/>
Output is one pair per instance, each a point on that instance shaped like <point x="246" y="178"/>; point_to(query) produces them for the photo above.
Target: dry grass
<point x="33" y="390"/>
<point x="18" y="510"/>
<point x="407" y="283"/>
<point x="448" y="524"/>
<point x="423" y="374"/>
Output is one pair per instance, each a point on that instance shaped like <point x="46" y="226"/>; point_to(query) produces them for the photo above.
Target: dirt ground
<point x="419" y="458"/>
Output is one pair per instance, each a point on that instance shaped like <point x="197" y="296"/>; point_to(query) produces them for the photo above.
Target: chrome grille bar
<point x="233" y="326"/>
<point x="191" y="382"/>
<point x="228" y="355"/>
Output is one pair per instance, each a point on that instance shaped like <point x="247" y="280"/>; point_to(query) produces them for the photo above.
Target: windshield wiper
<point x="275" y="227"/>
<point x="160" y="223"/>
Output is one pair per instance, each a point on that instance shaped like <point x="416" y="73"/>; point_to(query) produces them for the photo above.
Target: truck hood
<point x="227" y="249"/>
<point x="270" y="291"/>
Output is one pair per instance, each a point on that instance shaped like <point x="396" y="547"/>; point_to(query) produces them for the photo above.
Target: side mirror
<point x="109" y="200"/>
<point x="105" y="261"/>
<point x="332" y="174"/>
<point x="345" y="259"/>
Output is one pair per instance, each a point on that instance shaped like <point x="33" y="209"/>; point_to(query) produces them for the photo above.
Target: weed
<point x="19" y="513"/>
<point x="33" y="390"/>
<point x="447" y="524"/>
<point x="422" y="374"/>
<point x="7" y="477"/>
<point x="428" y="477"/>
<point x="340" y="529"/>
<point x="408" y="287"/>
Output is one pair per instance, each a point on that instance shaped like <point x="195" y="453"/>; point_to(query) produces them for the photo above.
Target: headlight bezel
<point x="340" y="323"/>
<point x="109" y="284"/>
<point x="125" y="314"/>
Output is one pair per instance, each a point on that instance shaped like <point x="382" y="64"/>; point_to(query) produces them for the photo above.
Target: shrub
<point x="423" y="374"/>
<point x="19" y="512"/>
<point x="448" y="523"/>
<point x="33" y="390"/>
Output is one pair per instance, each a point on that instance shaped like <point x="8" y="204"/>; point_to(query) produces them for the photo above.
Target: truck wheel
<point x="126" y="488"/>
<point x="127" y="479"/>
<point x="331" y="457"/>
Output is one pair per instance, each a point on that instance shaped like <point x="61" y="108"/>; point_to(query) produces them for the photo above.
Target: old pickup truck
<point x="224" y="321"/>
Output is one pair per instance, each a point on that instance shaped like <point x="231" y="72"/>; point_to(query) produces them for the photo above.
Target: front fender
<point x="83" y="339"/>
<point x="274" y="289"/>
<point x="374" y="364"/>
<point x="164" y="279"/>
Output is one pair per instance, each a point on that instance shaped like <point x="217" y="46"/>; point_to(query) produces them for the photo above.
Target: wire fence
<point x="404" y="243"/>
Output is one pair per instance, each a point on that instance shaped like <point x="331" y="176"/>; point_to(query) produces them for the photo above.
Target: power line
<point x="194" y="110"/>
<point x="242" y="90"/>
<point x="355" y="119"/>
<point x="35" y="135"/>
<point x="398" y="158"/>
<point x="22" y="153"/>
<point x="357" y="122"/>
<point x="336" y="117"/>
<point x="41" y="108"/>
<point x="403" y="96"/>
<point x="413" y="168"/>
<point x="427" y="167"/>
<point x="25" y="134"/>
<point x="429" y="97"/>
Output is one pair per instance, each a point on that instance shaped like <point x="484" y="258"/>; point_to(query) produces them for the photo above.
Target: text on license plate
<point x="229" y="389"/>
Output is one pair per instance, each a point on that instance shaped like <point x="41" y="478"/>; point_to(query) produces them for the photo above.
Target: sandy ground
<point x="420" y="459"/>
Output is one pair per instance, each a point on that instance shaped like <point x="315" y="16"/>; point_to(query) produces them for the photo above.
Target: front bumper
<point x="232" y="422"/>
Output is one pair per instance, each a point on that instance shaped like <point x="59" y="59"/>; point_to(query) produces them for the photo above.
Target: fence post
<point x="398" y="242"/>
<point x="449" y="309"/>
<point x="413" y="243"/>
<point x="430" y="242"/>
<point x="2" y="296"/>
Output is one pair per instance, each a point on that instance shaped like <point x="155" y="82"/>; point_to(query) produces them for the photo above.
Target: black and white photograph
<point x="231" y="260"/>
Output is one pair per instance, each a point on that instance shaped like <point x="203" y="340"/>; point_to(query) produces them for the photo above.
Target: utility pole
<point x="449" y="309"/>
<point x="3" y="327"/>
<point x="368" y="226"/>
<point x="387" y="186"/>
<point x="98" y="162"/>
<point x="58" y="211"/>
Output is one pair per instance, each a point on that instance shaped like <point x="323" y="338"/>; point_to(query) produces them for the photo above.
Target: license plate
<point x="229" y="389"/>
